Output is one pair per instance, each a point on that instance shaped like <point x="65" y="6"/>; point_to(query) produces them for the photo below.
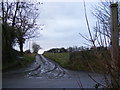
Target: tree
<point x="26" y="23"/>
<point x="21" y="17"/>
<point x="102" y="38"/>
<point x="7" y="29"/>
<point x="105" y="28"/>
<point x="36" y="48"/>
<point x="8" y="34"/>
<point x="102" y="28"/>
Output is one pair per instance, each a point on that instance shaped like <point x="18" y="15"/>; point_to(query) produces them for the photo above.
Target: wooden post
<point x="0" y="56"/>
<point x="115" y="44"/>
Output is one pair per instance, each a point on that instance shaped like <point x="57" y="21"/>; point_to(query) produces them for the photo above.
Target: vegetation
<point x="35" y="48"/>
<point x="16" y="60"/>
<point x="27" y="59"/>
<point x="107" y="20"/>
<point x="80" y="60"/>
<point x="57" y="50"/>
<point x="61" y="58"/>
<point x="87" y="60"/>
<point x="18" y="21"/>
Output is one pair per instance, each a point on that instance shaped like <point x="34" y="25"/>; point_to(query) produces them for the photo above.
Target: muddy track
<point x="33" y="69"/>
<point x="61" y="72"/>
<point x="46" y="68"/>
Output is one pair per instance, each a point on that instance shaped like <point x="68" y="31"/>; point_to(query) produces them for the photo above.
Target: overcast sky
<point x="63" y="21"/>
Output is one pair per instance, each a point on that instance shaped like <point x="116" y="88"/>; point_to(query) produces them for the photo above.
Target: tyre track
<point x="46" y="68"/>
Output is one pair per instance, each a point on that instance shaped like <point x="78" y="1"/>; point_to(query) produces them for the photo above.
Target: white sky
<point x="63" y="21"/>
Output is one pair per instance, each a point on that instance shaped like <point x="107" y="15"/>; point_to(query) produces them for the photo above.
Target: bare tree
<point x="102" y="37"/>
<point x="26" y="23"/>
<point x="21" y="17"/>
<point x="102" y="28"/>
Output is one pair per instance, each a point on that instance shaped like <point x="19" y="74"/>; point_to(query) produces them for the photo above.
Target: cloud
<point x="62" y="23"/>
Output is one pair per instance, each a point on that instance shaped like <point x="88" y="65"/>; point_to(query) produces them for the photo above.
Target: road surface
<point x="45" y="73"/>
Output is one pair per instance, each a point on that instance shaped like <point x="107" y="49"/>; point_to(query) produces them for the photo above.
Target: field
<point x="61" y="58"/>
<point x="64" y="59"/>
<point x="80" y="61"/>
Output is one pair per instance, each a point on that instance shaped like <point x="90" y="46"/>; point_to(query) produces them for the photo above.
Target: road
<point x="45" y="73"/>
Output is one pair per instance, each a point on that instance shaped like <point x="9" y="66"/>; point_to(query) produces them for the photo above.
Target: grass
<point x="61" y="58"/>
<point x="27" y="59"/>
<point x="79" y="60"/>
<point x="13" y="62"/>
<point x="68" y="60"/>
<point x="64" y="60"/>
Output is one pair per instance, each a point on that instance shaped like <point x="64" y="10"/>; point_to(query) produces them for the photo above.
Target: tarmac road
<point x="45" y="73"/>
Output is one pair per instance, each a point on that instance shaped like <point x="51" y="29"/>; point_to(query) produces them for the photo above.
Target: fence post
<point x="115" y="44"/>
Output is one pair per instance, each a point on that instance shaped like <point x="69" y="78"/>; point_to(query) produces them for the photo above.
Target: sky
<point x="63" y="21"/>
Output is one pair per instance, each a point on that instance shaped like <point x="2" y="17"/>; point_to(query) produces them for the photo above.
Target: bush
<point x="82" y="60"/>
<point x="12" y="60"/>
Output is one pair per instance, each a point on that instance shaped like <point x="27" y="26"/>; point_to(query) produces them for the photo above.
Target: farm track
<point x="46" y="68"/>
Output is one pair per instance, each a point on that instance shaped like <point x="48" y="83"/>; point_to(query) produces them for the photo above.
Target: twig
<point x="84" y="37"/>
<point x="91" y="38"/>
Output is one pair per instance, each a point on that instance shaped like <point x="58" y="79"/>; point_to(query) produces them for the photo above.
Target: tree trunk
<point x="21" y="47"/>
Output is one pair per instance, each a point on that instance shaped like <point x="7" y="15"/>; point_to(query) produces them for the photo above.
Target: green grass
<point x="61" y="58"/>
<point x="78" y="60"/>
<point x="64" y="59"/>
